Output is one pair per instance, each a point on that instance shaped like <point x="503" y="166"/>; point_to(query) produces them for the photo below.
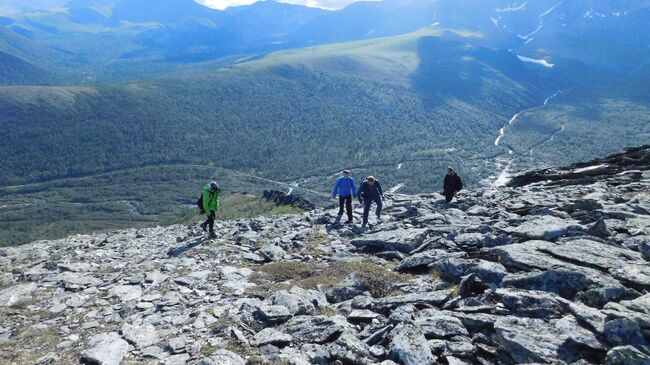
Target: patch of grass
<point x="380" y="280"/>
<point x="289" y="270"/>
<point x="208" y="350"/>
<point x="326" y="311"/>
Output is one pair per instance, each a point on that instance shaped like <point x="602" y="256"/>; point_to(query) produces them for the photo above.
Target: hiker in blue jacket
<point x="370" y="191"/>
<point x="345" y="189"/>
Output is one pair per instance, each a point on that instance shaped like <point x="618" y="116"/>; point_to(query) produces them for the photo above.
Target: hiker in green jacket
<point x="210" y="198"/>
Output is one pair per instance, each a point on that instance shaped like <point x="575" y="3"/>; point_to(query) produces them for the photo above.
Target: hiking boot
<point x="364" y="224"/>
<point x="349" y="221"/>
<point x="204" y="227"/>
<point x="212" y="235"/>
<point x="378" y="219"/>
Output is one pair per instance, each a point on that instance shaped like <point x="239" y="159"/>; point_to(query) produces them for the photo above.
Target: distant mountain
<point x="15" y="71"/>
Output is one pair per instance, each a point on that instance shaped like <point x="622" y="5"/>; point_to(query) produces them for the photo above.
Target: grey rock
<point x="346" y="289"/>
<point x="362" y="315"/>
<point x="402" y="240"/>
<point x="599" y="229"/>
<point x="437" y="297"/>
<point x="274" y="313"/>
<point x="76" y="267"/>
<point x="565" y="283"/>
<point x="489" y="273"/>
<point x="108" y="349"/>
<point x="50" y="358"/>
<point x="126" y="293"/>
<point x="223" y="357"/>
<point x="16" y="295"/>
<point x="176" y="345"/>
<point x="625" y="331"/>
<point x="544" y="227"/>
<point x="140" y="336"/>
<point x="296" y="304"/>
<point x="349" y="349"/>
<point x="408" y="346"/>
<point x="273" y="252"/>
<point x="644" y="248"/>
<point x="441" y="326"/>
<point x="180" y="359"/>
<point x="529" y="303"/>
<point x="425" y="258"/>
<point x="270" y="336"/>
<point x="469" y="240"/>
<point x="453" y="269"/>
<point x="312" y="329"/>
<point x="626" y="355"/>
<point x="529" y="340"/>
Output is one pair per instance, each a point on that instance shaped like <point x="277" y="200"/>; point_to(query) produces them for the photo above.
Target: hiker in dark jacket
<point x="345" y="189"/>
<point x="211" y="202"/>
<point x="452" y="185"/>
<point x="370" y="191"/>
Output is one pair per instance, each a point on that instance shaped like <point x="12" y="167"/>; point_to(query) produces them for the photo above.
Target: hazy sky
<point x="327" y="4"/>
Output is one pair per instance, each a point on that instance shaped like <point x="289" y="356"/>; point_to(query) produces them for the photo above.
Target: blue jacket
<point x="344" y="187"/>
<point x="368" y="192"/>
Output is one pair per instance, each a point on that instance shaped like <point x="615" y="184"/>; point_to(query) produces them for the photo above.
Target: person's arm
<point x="218" y="199"/>
<point x="354" y="188"/>
<point x="336" y="188"/>
<point x="460" y="184"/>
<point x="381" y="193"/>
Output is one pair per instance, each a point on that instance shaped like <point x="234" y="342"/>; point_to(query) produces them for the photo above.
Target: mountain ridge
<point x="549" y="271"/>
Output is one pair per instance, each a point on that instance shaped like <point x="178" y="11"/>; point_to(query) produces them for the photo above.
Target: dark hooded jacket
<point x="452" y="184"/>
<point x="368" y="192"/>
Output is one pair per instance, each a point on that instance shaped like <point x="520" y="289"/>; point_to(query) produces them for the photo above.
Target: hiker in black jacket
<point x="370" y="191"/>
<point x="452" y="185"/>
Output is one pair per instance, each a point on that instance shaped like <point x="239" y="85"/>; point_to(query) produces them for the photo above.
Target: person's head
<point x="214" y="186"/>
<point x="346" y="174"/>
<point x="450" y="170"/>
<point x="371" y="180"/>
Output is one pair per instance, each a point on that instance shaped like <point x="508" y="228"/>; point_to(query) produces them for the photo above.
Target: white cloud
<point x="325" y="4"/>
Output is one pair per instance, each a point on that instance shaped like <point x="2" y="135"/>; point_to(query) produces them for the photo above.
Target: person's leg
<point x="449" y="197"/>
<point x="366" y="210"/>
<point x="211" y="223"/>
<point x="348" y="207"/>
<point x="341" y="202"/>
<point x="379" y="207"/>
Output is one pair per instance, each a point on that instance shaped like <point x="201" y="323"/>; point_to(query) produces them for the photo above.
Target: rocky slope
<point x="554" y="270"/>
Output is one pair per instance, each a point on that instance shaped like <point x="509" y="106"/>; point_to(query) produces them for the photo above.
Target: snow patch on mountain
<point x="541" y="62"/>
<point x="512" y="8"/>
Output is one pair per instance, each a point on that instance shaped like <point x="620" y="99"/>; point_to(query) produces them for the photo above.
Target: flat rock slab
<point x="126" y="293"/>
<point x="402" y="240"/>
<point x="223" y="357"/>
<point x="311" y="329"/>
<point x="17" y="294"/>
<point x="536" y="255"/>
<point x="530" y="340"/>
<point x="271" y="336"/>
<point x="108" y="349"/>
<point x="544" y="227"/>
<point x="437" y="298"/>
<point x="140" y="336"/>
<point x="441" y="326"/>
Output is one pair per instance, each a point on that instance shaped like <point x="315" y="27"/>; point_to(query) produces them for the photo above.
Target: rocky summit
<point x="551" y="269"/>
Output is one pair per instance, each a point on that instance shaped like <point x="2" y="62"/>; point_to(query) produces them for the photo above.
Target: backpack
<point x="199" y="203"/>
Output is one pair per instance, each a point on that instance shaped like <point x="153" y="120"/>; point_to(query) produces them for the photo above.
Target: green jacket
<point x="210" y="200"/>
